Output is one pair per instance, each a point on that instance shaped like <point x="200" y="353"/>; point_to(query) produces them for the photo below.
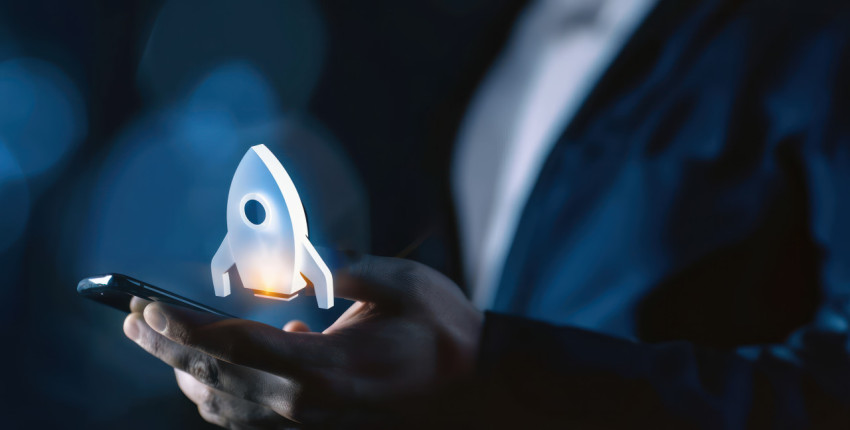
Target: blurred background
<point x="121" y="124"/>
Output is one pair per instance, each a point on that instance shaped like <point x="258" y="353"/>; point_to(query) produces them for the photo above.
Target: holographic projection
<point x="267" y="238"/>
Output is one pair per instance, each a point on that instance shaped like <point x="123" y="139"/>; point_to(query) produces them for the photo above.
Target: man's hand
<point x="410" y="335"/>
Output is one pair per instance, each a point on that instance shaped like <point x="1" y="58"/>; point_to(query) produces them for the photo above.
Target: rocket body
<point x="272" y="253"/>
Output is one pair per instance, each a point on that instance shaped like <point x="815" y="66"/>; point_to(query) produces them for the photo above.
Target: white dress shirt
<point x="557" y="51"/>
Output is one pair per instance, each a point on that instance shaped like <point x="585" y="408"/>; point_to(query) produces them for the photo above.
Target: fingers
<point x="382" y="280"/>
<point x="137" y="304"/>
<point x="226" y="410"/>
<point x="349" y="317"/>
<point x="214" y="419"/>
<point x="296" y="326"/>
<point x="243" y="342"/>
<point x="242" y="382"/>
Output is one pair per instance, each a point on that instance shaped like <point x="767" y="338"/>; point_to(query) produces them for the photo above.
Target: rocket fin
<point x="317" y="273"/>
<point x="222" y="261"/>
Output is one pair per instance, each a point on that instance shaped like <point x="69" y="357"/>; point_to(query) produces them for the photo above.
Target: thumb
<point x="381" y="279"/>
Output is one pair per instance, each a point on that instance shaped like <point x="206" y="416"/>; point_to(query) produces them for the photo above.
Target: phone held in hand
<point x="117" y="290"/>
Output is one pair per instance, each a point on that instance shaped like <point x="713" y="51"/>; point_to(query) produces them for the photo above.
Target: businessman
<point x="653" y="201"/>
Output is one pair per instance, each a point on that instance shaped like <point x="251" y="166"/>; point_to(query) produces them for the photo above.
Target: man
<point x="660" y="241"/>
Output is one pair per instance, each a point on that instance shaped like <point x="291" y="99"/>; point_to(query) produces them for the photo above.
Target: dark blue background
<point x="121" y="124"/>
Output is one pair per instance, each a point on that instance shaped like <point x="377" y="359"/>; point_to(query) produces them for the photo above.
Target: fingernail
<point x="131" y="328"/>
<point x="155" y="319"/>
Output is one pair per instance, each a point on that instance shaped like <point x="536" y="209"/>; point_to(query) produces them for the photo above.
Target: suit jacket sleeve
<point x="538" y="373"/>
<point x="535" y="372"/>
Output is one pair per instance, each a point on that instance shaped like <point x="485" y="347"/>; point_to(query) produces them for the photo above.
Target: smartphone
<point x="116" y="290"/>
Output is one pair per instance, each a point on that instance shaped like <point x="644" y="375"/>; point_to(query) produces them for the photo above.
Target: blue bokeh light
<point x="285" y="40"/>
<point x="14" y="194"/>
<point x="42" y="114"/>
<point x="233" y="96"/>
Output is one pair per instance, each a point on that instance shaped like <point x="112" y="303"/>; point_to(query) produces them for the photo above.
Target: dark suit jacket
<point x="684" y="258"/>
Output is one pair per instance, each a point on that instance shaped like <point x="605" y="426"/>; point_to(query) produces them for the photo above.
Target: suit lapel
<point x="641" y="69"/>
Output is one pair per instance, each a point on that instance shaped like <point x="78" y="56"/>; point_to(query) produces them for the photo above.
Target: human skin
<point x="410" y="336"/>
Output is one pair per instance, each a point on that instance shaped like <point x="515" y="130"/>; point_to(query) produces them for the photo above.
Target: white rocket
<point x="273" y="255"/>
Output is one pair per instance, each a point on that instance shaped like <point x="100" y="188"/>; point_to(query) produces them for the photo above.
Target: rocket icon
<point x="267" y="235"/>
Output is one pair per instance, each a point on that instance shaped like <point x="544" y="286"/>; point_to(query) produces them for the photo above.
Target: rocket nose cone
<point x="285" y="186"/>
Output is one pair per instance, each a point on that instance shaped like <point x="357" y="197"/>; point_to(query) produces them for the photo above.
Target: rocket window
<point x="254" y="212"/>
